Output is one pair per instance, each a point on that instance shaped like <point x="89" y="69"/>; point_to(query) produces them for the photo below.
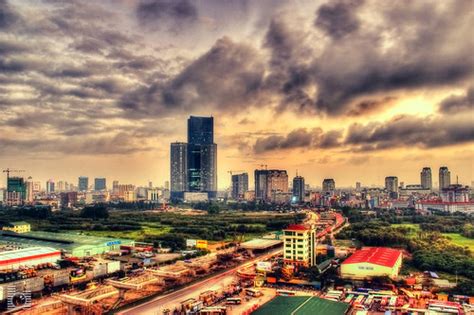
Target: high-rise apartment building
<point x="16" y="191"/>
<point x="29" y="190"/>
<point x="391" y="184"/>
<point x="298" y="189"/>
<point x="50" y="186"/>
<point x="425" y="178"/>
<point x="268" y="183"/>
<point x="299" y="245"/>
<point x="178" y="169"/>
<point x="240" y="185"/>
<point x="201" y="156"/>
<point x="329" y="185"/>
<point x="100" y="184"/>
<point x="444" y="178"/>
<point x="83" y="183"/>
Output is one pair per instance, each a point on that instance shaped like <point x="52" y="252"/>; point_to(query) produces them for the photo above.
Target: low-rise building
<point x="372" y="262"/>
<point x="299" y="247"/>
<point x="17" y="227"/>
<point x="28" y="257"/>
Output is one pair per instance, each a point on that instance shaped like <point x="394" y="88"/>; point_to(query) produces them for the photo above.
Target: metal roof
<point x="27" y="252"/>
<point x="382" y="256"/>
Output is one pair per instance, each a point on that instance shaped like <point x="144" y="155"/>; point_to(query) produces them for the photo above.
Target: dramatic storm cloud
<point x="292" y="84"/>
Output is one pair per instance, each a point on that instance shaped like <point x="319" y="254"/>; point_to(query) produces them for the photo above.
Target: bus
<point x="286" y="292"/>
<point x="369" y="300"/>
<point x="234" y="301"/>
<point x="253" y="292"/>
<point x="359" y="300"/>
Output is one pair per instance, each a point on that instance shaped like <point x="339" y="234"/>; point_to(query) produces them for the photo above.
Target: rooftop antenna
<point x="296" y="172"/>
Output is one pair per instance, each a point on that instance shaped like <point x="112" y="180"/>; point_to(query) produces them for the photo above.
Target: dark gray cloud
<point x="371" y="106"/>
<point x="8" y="16"/>
<point x="298" y="138"/>
<point x="455" y="104"/>
<point x="105" y="145"/>
<point x="228" y="75"/>
<point x="172" y="14"/>
<point x="400" y="132"/>
<point x="410" y="131"/>
<point x="338" y="19"/>
<point x="362" y="64"/>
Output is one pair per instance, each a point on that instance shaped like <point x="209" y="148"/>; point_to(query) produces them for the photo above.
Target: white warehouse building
<point x="28" y="257"/>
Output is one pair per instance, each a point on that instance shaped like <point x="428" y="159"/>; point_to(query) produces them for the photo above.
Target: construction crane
<point x="8" y="171"/>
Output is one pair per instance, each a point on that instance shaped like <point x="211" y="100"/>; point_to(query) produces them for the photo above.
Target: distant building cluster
<point x="193" y="178"/>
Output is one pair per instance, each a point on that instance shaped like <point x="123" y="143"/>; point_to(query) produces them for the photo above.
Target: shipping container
<point x="100" y="270"/>
<point x="35" y="284"/>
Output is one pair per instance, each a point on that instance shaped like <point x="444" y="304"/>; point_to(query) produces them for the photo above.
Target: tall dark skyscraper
<point x="202" y="156"/>
<point x="298" y="189"/>
<point x="178" y="168"/>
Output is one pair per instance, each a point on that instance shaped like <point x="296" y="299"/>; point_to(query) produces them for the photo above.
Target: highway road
<point x="173" y="299"/>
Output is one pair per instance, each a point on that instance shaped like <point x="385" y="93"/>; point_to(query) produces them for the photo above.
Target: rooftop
<point x="382" y="256"/>
<point x="259" y="243"/>
<point x="10" y="255"/>
<point x="301" y="305"/>
<point x="297" y="227"/>
<point x="65" y="241"/>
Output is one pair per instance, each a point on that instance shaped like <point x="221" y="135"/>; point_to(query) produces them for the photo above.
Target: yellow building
<point x="17" y="227"/>
<point x="372" y="262"/>
<point x="299" y="246"/>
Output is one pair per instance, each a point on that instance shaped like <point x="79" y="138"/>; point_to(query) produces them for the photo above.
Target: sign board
<point x="201" y="244"/>
<point x="264" y="266"/>
<point x="190" y="243"/>
<point x="112" y="243"/>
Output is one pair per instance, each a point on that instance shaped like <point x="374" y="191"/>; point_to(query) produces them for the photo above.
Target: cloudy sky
<point x="354" y="90"/>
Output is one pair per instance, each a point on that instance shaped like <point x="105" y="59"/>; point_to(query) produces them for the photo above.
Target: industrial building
<point x="28" y="257"/>
<point x="17" y="227"/>
<point x="372" y="262"/>
<point x="299" y="245"/>
<point x="74" y="244"/>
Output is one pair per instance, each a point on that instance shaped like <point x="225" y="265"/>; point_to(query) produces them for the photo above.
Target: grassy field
<point x="455" y="238"/>
<point x="147" y="230"/>
<point x="460" y="240"/>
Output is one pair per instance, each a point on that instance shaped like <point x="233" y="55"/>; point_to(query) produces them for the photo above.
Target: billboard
<point x="264" y="266"/>
<point x="190" y="243"/>
<point x="201" y="244"/>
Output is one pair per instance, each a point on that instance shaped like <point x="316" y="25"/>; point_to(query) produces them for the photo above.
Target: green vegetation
<point x="161" y="228"/>
<point x="460" y="240"/>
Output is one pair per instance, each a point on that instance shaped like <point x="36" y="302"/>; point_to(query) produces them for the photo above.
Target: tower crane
<point x="8" y="171"/>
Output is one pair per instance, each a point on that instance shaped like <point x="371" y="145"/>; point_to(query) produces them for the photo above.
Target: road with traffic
<point x="172" y="300"/>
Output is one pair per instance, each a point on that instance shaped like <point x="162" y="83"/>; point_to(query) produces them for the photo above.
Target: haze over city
<point x="351" y="90"/>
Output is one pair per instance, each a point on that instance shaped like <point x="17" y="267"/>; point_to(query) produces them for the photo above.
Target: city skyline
<point x="333" y="90"/>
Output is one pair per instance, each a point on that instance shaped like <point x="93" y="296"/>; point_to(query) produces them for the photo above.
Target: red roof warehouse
<point x="372" y="261"/>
